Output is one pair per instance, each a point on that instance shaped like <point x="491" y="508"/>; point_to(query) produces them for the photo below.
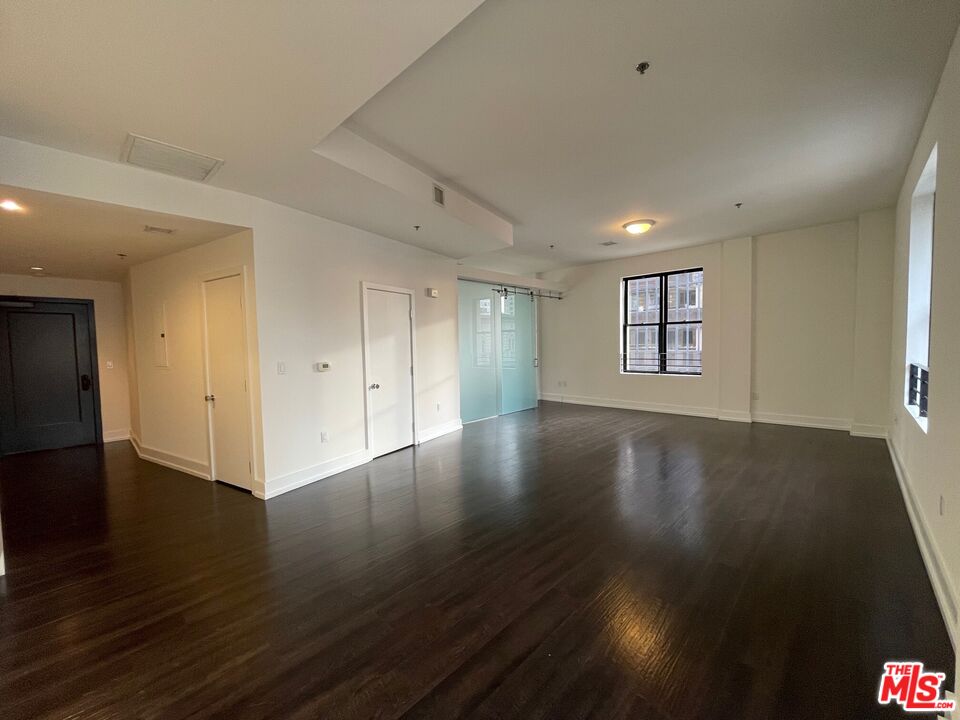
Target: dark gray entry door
<point x="48" y="394"/>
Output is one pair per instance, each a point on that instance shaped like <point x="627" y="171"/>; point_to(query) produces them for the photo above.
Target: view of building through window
<point x="663" y="337"/>
<point x="919" y="282"/>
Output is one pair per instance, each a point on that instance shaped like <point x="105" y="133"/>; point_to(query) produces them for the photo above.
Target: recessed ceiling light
<point x="638" y="227"/>
<point x="36" y="268"/>
<point x="11" y="206"/>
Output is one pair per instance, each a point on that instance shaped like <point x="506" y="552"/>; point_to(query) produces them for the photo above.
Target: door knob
<point x="84" y="382"/>
<point x="375" y="386"/>
<point x="209" y="398"/>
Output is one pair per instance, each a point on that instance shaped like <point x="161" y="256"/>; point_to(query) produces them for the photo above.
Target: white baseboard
<point x="735" y="416"/>
<point x="871" y="431"/>
<point x="436" y="431"/>
<point x="946" y="595"/>
<point x="631" y="405"/>
<point x="115" y="435"/>
<point x="299" y="478"/>
<point x="186" y="465"/>
<point x="810" y="421"/>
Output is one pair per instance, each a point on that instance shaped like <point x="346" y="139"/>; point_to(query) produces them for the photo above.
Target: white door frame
<point x="368" y="415"/>
<point x="241" y="271"/>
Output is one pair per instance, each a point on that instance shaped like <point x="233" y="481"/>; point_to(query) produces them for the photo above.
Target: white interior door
<point x="390" y="370"/>
<point x="227" y="399"/>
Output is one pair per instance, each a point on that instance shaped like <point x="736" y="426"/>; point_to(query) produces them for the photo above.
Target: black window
<point x="919" y="388"/>
<point x="662" y="324"/>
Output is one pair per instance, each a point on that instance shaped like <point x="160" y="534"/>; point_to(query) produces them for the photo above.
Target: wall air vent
<point x="158" y="230"/>
<point x="438" y="196"/>
<point x="162" y="157"/>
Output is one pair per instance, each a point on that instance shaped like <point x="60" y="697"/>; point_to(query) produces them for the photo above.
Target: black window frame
<point x="919" y="388"/>
<point x="662" y="324"/>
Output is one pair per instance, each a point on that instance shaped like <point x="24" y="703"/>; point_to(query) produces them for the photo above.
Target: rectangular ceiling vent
<point x="170" y="159"/>
<point x="438" y="196"/>
<point x="158" y="230"/>
<point x="608" y="243"/>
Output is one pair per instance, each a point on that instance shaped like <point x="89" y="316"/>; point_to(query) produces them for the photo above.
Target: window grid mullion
<point x="661" y="325"/>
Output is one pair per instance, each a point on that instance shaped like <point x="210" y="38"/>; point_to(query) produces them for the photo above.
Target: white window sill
<point x="914" y="412"/>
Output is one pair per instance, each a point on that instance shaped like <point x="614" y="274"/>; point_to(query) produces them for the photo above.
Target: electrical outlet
<point x="324" y="436"/>
<point x="109" y="364"/>
<point x="281" y="368"/>
<point x="754" y="396"/>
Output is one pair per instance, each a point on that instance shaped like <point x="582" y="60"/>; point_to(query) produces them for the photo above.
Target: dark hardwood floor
<point x="569" y="562"/>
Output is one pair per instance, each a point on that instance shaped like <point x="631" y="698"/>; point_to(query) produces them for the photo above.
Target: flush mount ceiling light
<point x="638" y="227"/>
<point x="36" y="268"/>
<point x="11" y="206"/>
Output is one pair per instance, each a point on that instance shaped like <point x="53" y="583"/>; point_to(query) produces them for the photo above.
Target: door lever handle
<point x="375" y="386"/>
<point x="85" y="382"/>
<point x="209" y="398"/>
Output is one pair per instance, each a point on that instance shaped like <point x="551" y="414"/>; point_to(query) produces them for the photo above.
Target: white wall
<point x="804" y="318"/>
<point x="580" y="335"/>
<point x="308" y="274"/>
<point x="929" y="461"/>
<point x="108" y="310"/>
<point x="309" y="307"/>
<point x="791" y="318"/>
<point x="872" y="330"/>
<point x="172" y="412"/>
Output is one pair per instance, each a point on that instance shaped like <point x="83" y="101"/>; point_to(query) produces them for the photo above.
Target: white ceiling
<point x="75" y="238"/>
<point x="256" y="83"/>
<point x="807" y="112"/>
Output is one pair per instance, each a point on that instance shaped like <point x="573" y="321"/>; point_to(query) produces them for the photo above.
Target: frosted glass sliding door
<point x="518" y="343"/>
<point x="479" y="385"/>
<point x="498" y="342"/>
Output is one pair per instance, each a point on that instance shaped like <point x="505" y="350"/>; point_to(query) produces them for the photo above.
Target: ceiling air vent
<point x="438" y="195"/>
<point x="158" y="230"/>
<point x="161" y="157"/>
<point x="608" y="243"/>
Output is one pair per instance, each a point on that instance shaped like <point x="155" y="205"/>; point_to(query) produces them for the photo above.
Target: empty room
<point x="479" y="359"/>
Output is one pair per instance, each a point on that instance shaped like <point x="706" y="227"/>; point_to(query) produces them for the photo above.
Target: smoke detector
<point x="169" y="159"/>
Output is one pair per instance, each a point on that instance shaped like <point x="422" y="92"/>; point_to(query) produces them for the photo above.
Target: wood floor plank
<point x="568" y="562"/>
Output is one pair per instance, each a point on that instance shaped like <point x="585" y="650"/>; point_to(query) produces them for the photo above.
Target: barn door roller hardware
<point x="504" y="290"/>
